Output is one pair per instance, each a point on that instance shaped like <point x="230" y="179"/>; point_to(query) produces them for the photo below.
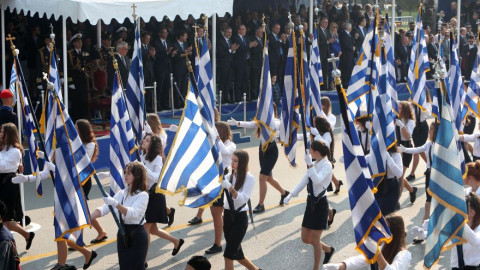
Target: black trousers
<point x="133" y="257"/>
<point x="234" y="229"/>
<point x="387" y="195"/>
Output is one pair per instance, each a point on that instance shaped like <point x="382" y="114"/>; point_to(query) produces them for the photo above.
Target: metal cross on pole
<point x="134" y="15"/>
<point x="336" y="74"/>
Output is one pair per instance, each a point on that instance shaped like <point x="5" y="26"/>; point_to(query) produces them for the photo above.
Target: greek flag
<point x="456" y="87"/>
<point x="369" y="225"/>
<point x="316" y="78"/>
<point x="13" y="83"/>
<point x="28" y="127"/>
<point x="193" y="165"/>
<point x="419" y="65"/>
<point x="290" y="118"/>
<point x="73" y="167"/>
<point x="54" y="76"/>
<point x="305" y="85"/>
<point x="448" y="208"/>
<point x="265" y="117"/>
<point x="471" y="96"/>
<point x="135" y="94"/>
<point x="391" y="77"/>
<point x="203" y="68"/>
<point x="122" y="141"/>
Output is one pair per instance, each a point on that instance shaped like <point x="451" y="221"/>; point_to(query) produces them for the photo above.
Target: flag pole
<point x="300" y="86"/>
<point x="373" y="49"/>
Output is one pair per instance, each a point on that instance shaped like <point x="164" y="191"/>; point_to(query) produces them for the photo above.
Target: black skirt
<point x="316" y="213"/>
<point x="87" y="186"/>
<point x="10" y="195"/>
<point x="387" y="195"/>
<point x="133" y="257"/>
<point x="157" y="207"/>
<point x="427" y="184"/>
<point x="406" y="158"/>
<point x="268" y="159"/>
<point x="420" y="134"/>
<point x="234" y="229"/>
<point x="219" y="201"/>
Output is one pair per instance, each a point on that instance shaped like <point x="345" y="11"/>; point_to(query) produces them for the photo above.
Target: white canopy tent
<point x="106" y="10"/>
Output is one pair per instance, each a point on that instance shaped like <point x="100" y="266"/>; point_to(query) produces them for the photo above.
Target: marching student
<point x="363" y="126"/>
<point x="317" y="179"/>
<point x="87" y="137"/>
<point x="327" y="109"/>
<point x="226" y="148"/>
<point x="394" y="255"/>
<point x="405" y="124"/>
<point x="475" y="138"/>
<point x="268" y="159"/>
<point x="156" y="211"/>
<point x="425" y="149"/>
<point x="472" y="179"/>
<point x="239" y="187"/>
<point x="130" y="205"/>
<point x="11" y="152"/>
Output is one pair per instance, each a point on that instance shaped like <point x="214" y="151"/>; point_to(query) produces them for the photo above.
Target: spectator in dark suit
<point x="347" y="57"/>
<point x="225" y="51"/>
<point x="275" y="52"/>
<point x="469" y="52"/>
<point x="402" y="56"/>
<point x="463" y="37"/>
<point x="148" y="58"/>
<point x="256" y="63"/>
<point x="324" y="39"/>
<point x="359" y="33"/>
<point x="123" y="62"/>
<point x="163" y="68"/>
<point x="254" y="23"/>
<point x="241" y="60"/>
<point x="180" y="72"/>
<point x="432" y="50"/>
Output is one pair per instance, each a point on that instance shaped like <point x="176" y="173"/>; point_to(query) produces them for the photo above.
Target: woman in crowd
<point x="317" y="179"/>
<point x="130" y="205"/>
<point x="239" y="187"/>
<point x="404" y="128"/>
<point x="226" y="148"/>
<point x="394" y="255"/>
<point x="87" y="137"/>
<point x="11" y="152"/>
<point x="475" y="138"/>
<point x="335" y="47"/>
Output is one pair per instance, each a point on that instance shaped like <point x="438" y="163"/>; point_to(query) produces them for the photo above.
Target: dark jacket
<point x="123" y="69"/>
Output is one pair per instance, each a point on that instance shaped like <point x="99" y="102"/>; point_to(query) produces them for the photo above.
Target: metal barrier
<point x="402" y="22"/>
<point x="171" y="96"/>
<point x="154" y="101"/>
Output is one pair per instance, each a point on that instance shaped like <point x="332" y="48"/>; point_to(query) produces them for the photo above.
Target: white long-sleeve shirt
<point x="426" y="148"/>
<point x="409" y="126"/>
<point x="154" y="168"/>
<point x="400" y="262"/>
<point x="136" y="205"/>
<point x="475" y="138"/>
<point x="423" y="115"/>
<point x="253" y="124"/>
<point x="394" y="164"/>
<point x="364" y="137"/>
<point x="320" y="174"/>
<point x="332" y="120"/>
<point x="226" y="149"/>
<point x="10" y="160"/>
<point x="243" y="194"/>
<point x="471" y="256"/>
<point x="326" y="138"/>
<point x="90" y="148"/>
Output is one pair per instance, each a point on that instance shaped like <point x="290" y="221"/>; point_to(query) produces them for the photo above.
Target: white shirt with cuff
<point x="136" y="205"/>
<point x="320" y="174"/>
<point x="243" y="194"/>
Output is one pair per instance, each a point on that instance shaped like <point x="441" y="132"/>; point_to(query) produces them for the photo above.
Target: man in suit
<point x="469" y="52"/>
<point x="241" y="60"/>
<point x="163" y="68"/>
<point x="180" y="72"/>
<point x="347" y="44"/>
<point x="148" y="57"/>
<point x="43" y="65"/>
<point x="402" y="56"/>
<point x="360" y="33"/>
<point x="123" y="62"/>
<point x="225" y="51"/>
<point x="324" y="39"/>
<point x="34" y="42"/>
<point x="432" y="50"/>
<point x="275" y="53"/>
<point x="256" y="64"/>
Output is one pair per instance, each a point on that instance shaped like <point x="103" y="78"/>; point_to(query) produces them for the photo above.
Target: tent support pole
<point x="65" y="71"/>
<point x="4" y="72"/>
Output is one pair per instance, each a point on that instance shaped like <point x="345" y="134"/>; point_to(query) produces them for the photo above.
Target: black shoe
<point x="413" y="195"/>
<point x="94" y="255"/>
<point x="96" y="241"/>
<point x="328" y="255"/>
<point x="146" y="265"/>
<point x="259" y="209"/>
<point x="282" y="197"/>
<point x="171" y="217"/>
<point x="340" y="183"/>
<point x="417" y="241"/>
<point x="397" y="206"/>
<point x="410" y="178"/>
<point x="214" y="249"/>
<point x="177" y="249"/>
<point x="333" y="216"/>
<point x="29" y="240"/>
<point x="27" y="221"/>
<point x="195" y="221"/>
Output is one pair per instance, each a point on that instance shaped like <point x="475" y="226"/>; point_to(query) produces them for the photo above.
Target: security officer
<point x="43" y="65"/>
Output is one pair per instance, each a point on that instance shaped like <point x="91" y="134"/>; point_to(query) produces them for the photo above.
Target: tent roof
<point x="93" y="10"/>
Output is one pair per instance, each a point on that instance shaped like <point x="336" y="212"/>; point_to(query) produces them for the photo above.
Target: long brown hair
<point x="407" y="112"/>
<point x="323" y="126"/>
<point x="326" y="105"/>
<point x="473" y="203"/>
<point x="139" y="176"/>
<point x="473" y="169"/>
<point x="10" y="137"/>
<point x="156" y="148"/>
<point x="155" y="124"/>
<point x="397" y="228"/>
<point x="87" y="136"/>
<point x="242" y="168"/>
<point x="224" y="131"/>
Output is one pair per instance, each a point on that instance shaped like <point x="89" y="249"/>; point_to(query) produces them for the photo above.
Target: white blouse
<point x="243" y="194"/>
<point x="90" y="148"/>
<point x="364" y="138"/>
<point x="326" y="138"/>
<point x="153" y="168"/>
<point x="394" y="164"/>
<point x="320" y="174"/>
<point x="136" y="205"/>
<point x="332" y="120"/>
<point x="253" y="124"/>
<point x="423" y="115"/>
<point x="475" y="138"/>
<point x="409" y="126"/>
<point x="226" y="150"/>
<point x="426" y="148"/>
<point x="471" y="256"/>
<point x="400" y="262"/>
<point x="10" y="160"/>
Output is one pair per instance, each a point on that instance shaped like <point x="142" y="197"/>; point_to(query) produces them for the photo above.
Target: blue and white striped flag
<point x="13" y="83"/>
<point x="135" y="93"/>
<point x="471" y="96"/>
<point x="457" y="91"/>
<point x="369" y="226"/>
<point x="305" y="85"/>
<point x="316" y="78"/>
<point x="54" y="76"/>
<point x="122" y="141"/>
<point x="193" y="165"/>
<point x="448" y="207"/>
<point x="73" y="167"/>
<point x="265" y="117"/>
<point x="28" y="128"/>
<point x="391" y="77"/>
<point x="290" y="118"/>
<point x="204" y="77"/>
<point x="419" y="66"/>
